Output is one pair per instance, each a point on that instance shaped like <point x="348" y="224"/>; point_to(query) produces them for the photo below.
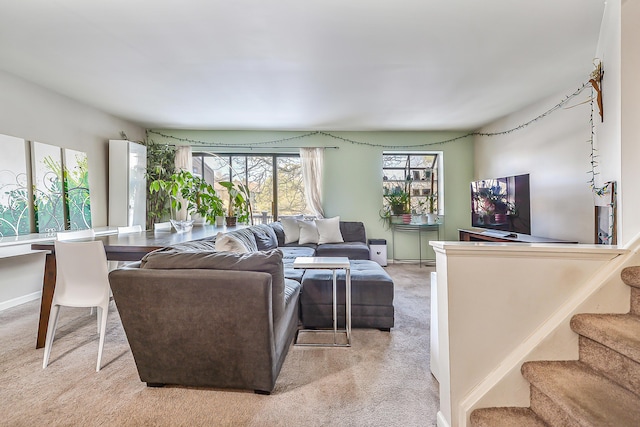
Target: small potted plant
<point x="239" y="206"/>
<point x="429" y="204"/>
<point x="396" y="204"/>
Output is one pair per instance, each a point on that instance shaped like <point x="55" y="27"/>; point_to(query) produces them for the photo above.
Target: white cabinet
<point x="127" y="183"/>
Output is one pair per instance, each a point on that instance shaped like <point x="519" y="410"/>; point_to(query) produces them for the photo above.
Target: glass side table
<point x="334" y="264"/>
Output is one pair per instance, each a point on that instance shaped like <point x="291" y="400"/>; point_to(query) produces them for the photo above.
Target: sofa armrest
<point x="199" y="327"/>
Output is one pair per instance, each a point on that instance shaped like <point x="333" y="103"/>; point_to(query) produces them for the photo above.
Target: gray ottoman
<point x="371" y="297"/>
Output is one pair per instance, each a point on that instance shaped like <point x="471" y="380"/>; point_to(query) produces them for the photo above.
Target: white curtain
<point x="183" y="161"/>
<point x="312" y="169"/>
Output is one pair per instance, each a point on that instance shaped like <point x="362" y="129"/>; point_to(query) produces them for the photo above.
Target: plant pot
<point x="231" y="221"/>
<point x="198" y="220"/>
<point x="406" y="218"/>
<point x="432" y="218"/>
<point x="397" y="209"/>
<point x="219" y="221"/>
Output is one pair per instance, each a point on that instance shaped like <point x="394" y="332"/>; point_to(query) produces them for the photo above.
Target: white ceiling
<point x="302" y="64"/>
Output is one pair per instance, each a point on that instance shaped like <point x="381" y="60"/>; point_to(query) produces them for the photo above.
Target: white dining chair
<point x="76" y="234"/>
<point x="81" y="281"/>
<point x="130" y="229"/>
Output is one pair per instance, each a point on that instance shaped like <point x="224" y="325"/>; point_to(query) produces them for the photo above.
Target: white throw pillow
<point x="308" y="232"/>
<point x="229" y="243"/>
<point x="291" y="229"/>
<point x="329" y="230"/>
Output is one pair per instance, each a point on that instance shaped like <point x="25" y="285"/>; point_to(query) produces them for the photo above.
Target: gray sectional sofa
<point x="198" y="316"/>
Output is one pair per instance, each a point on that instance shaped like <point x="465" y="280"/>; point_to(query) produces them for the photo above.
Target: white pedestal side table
<point x="334" y="264"/>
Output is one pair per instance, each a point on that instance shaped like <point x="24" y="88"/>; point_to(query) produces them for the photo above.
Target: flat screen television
<point x="502" y="204"/>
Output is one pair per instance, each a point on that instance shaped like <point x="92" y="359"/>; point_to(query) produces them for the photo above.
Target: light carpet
<point x="382" y="380"/>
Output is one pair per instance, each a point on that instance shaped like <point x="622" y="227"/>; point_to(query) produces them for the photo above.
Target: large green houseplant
<point x="184" y="187"/>
<point x="239" y="203"/>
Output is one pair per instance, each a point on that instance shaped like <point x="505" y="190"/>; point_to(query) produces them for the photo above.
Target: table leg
<point x="419" y="247"/>
<point x="48" y="286"/>
<point x="348" y="304"/>
<point x="335" y="307"/>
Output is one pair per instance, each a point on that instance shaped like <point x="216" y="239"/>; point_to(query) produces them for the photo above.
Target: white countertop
<point x="25" y="239"/>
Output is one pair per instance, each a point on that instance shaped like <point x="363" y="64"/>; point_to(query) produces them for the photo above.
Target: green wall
<point x="353" y="172"/>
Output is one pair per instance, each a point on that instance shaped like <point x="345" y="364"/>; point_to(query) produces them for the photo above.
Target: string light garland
<point x="369" y="144"/>
<point x="265" y="144"/>
<point x="598" y="191"/>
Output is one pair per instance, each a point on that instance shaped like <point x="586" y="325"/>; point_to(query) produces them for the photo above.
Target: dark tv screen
<point x="502" y="204"/>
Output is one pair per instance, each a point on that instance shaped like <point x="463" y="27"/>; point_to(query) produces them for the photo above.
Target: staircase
<point x="600" y="389"/>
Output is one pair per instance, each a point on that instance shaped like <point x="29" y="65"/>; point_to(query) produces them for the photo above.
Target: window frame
<point x="436" y="169"/>
<point x="274" y="162"/>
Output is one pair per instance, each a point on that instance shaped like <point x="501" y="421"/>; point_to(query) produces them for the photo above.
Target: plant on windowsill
<point x="239" y="207"/>
<point x="397" y="203"/>
<point x="429" y="207"/>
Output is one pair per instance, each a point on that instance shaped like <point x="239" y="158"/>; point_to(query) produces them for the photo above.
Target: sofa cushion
<point x="291" y="252"/>
<point x="290" y="272"/>
<point x="308" y="232"/>
<point x="264" y="261"/>
<point x="290" y="289"/>
<point x="265" y="236"/>
<point x="352" y="250"/>
<point x="329" y="230"/>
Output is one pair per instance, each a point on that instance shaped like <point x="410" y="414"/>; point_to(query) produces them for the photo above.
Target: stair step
<point x="635" y="301"/>
<point x="505" y="417"/>
<point x="611" y="364"/>
<point x="631" y="276"/>
<point x="620" y="332"/>
<point x="582" y="394"/>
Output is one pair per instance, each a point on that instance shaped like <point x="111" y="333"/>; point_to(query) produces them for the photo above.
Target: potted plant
<point x="396" y="204"/>
<point x="200" y="196"/>
<point x="398" y="201"/>
<point x="239" y="206"/>
<point x="429" y="205"/>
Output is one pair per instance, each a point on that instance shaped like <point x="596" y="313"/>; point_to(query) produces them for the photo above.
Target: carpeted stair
<point x="602" y="388"/>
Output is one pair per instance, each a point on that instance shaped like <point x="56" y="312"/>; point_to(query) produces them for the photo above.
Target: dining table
<point x="118" y="247"/>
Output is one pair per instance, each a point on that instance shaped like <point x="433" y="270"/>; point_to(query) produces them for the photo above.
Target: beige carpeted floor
<point x="382" y="380"/>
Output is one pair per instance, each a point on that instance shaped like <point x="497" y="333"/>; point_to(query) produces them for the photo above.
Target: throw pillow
<point x="265" y="236"/>
<point x="291" y="229"/>
<point x="308" y="232"/>
<point x="329" y="230"/>
<point x="246" y="236"/>
<point x="230" y="243"/>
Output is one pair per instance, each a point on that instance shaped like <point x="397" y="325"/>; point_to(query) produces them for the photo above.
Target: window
<point x="414" y="175"/>
<point x="274" y="180"/>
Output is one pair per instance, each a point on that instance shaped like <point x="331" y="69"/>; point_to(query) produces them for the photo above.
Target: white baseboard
<point x="441" y="421"/>
<point x="4" y="305"/>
